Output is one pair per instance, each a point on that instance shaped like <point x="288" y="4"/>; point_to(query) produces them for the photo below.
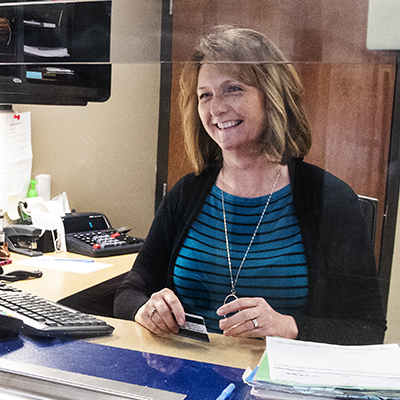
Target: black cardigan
<point x="344" y="305"/>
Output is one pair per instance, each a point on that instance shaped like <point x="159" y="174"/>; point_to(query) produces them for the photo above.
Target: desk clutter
<point x="292" y="369"/>
<point x="22" y="312"/>
<point x="89" y="234"/>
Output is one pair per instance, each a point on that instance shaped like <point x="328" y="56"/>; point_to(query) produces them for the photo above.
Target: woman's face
<point x="232" y="113"/>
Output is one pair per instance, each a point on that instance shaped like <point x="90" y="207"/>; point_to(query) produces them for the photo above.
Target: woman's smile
<point x="229" y="124"/>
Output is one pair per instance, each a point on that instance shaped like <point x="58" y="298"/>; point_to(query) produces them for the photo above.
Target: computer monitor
<point x="55" y="52"/>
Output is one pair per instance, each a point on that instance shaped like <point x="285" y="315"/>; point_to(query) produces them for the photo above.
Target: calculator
<point x="91" y="234"/>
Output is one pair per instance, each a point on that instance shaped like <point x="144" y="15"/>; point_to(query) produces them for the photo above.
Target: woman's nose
<point x="218" y="105"/>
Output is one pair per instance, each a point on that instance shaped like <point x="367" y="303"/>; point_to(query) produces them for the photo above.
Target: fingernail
<point x="181" y="321"/>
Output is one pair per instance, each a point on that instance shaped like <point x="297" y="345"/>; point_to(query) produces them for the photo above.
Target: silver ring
<point x="152" y="312"/>
<point x="255" y="323"/>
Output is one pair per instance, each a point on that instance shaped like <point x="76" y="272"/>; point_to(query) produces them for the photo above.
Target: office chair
<point x="369" y="208"/>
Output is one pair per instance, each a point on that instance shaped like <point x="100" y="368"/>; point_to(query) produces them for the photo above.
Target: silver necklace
<point x="232" y="295"/>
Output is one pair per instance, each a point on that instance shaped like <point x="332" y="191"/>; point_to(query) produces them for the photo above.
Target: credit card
<point x="194" y="328"/>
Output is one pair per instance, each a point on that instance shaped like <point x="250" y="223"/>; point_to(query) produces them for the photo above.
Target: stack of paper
<point x="291" y="369"/>
<point x="46" y="51"/>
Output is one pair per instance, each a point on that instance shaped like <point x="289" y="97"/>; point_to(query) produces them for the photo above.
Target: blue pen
<point x="226" y="392"/>
<point x="73" y="260"/>
<point x="66" y="259"/>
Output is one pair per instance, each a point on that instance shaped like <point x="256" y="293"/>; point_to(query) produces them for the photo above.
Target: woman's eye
<point x="203" y="96"/>
<point x="233" y="89"/>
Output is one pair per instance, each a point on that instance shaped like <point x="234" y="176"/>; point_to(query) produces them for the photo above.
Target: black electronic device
<point x="25" y="313"/>
<point x="91" y="234"/>
<point x="50" y="52"/>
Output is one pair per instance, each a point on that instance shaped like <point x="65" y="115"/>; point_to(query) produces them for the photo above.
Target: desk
<point x="129" y="336"/>
<point x="228" y="351"/>
<point x="55" y="285"/>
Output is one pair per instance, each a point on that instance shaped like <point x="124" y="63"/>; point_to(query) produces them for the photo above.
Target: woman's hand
<point x="163" y="313"/>
<point x="254" y="317"/>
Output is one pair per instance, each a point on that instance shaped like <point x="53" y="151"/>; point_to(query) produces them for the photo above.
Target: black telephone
<point x="91" y="234"/>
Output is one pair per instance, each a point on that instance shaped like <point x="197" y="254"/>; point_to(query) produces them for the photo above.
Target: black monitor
<point x="55" y="53"/>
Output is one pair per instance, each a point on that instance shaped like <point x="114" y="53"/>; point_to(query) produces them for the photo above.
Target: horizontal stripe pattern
<point x="275" y="267"/>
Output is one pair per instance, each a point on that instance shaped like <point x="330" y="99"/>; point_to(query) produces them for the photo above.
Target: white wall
<point x="104" y="155"/>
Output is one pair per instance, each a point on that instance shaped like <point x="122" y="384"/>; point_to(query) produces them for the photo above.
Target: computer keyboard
<point x="25" y="313"/>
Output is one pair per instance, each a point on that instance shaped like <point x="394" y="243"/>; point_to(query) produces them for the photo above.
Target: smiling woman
<point x="257" y="241"/>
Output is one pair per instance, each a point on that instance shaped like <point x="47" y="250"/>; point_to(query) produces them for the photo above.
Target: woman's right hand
<point x="162" y="313"/>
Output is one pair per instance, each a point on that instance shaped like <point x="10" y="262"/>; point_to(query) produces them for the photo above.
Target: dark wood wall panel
<point x="350" y="108"/>
<point x="306" y="30"/>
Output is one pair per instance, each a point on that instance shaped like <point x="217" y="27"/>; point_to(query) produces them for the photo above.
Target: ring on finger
<point x="255" y="323"/>
<point x="152" y="312"/>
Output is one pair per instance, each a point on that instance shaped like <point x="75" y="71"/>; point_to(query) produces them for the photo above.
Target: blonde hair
<point x="250" y="57"/>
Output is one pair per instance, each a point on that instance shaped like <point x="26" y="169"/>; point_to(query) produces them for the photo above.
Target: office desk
<point x="223" y="359"/>
<point x="228" y="351"/>
<point x="56" y="284"/>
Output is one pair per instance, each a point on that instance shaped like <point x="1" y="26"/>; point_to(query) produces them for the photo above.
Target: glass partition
<point x="72" y="31"/>
<point x="134" y="50"/>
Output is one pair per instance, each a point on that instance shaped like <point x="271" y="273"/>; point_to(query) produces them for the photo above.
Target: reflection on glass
<point x="348" y="89"/>
<point x="79" y="31"/>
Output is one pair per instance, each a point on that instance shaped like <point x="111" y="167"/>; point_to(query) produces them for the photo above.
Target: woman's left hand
<point x="254" y="317"/>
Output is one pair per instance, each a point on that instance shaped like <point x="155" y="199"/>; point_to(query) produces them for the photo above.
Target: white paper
<point x="16" y="160"/>
<point x="47" y="51"/>
<point x="78" y="266"/>
<point x="313" y="364"/>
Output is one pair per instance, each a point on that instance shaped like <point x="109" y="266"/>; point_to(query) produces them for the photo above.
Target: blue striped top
<point x="275" y="267"/>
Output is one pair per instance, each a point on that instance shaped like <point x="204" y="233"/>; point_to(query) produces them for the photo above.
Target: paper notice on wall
<point x="15" y="160"/>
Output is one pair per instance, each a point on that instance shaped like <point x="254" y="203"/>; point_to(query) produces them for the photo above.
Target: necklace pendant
<point x="228" y="299"/>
